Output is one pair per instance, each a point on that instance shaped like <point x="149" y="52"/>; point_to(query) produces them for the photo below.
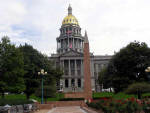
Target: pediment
<point x="72" y="53"/>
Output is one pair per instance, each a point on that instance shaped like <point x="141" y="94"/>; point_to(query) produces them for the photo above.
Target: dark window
<point x="79" y="72"/>
<point x="79" y="82"/>
<point x="72" y="82"/>
<point x="66" y="72"/>
<point x="70" y="28"/>
<point x="66" y="83"/>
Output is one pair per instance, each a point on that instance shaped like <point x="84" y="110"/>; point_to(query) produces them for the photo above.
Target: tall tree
<point x="128" y="66"/>
<point x="34" y="61"/>
<point x="32" y="64"/>
<point x="11" y="68"/>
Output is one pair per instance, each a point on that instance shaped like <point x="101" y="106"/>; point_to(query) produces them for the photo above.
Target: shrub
<point x="138" y="87"/>
<point x="14" y="102"/>
<point x="70" y="99"/>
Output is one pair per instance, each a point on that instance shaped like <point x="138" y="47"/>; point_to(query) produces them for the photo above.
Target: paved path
<point x="70" y="109"/>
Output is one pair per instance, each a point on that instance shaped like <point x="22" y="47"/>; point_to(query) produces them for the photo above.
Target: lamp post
<point x="61" y="87"/>
<point x="73" y="87"/>
<point x="42" y="73"/>
<point x="93" y="90"/>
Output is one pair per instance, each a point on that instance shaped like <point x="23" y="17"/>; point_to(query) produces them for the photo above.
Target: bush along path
<point x="130" y="105"/>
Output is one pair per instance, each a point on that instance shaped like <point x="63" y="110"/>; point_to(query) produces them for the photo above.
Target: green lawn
<point x="21" y="98"/>
<point x="116" y="96"/>
<point x="14" y="99"/>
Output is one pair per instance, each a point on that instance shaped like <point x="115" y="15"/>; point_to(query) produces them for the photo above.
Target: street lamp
<point x="73" y="87"/>
<point x="61" y="87"/>
<point x="93" y="90"/>
<point x="42" y="73"/>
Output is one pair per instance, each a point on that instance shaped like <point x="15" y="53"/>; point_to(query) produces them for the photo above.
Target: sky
<point x="110" y="24"/>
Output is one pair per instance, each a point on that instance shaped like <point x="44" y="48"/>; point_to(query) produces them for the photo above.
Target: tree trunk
<point x="3" y="95"/>
<point x="45" y="100"/>
<point x="27" y="95"/>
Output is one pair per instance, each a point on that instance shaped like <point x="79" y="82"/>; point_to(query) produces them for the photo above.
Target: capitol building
<point x="69" y="56"/>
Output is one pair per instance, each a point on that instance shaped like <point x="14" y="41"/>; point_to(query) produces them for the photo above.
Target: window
<point x="66" y="83"/>
<point x="66" y="72"/>
<point x="72" y="82"/>
<point x="79" y="82"/>
<point x="79" y="72"/>
<point x="70" y="28"/>
<point x="72" y="72"/>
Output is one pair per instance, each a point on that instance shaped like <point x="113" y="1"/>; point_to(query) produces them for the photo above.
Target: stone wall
<point x="74" y="95"/>
<point x="51" y="105"/>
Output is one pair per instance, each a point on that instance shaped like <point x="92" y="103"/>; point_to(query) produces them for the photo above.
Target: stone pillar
<point x="87" y="70"/>
<point x="63" y="65"/>
<point x="68" y="43"/>
<point x="69" y="68"/>
<point x="69" y="82"/>
<point x="75" y="67"/>
<point x="57" y="44"/>
<point x="73" y="44"/>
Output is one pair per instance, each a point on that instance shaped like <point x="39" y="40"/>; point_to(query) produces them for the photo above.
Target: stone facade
<point x="70" y="46"/>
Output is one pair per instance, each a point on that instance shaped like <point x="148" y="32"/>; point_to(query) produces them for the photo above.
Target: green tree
<point x="34" y="61"/>
<point x="141" y="87"/>
<point x="11" y="68"/>
<point x="101" y="75"/>
<point x="102" y="78"/>
<point x="128" y="66"/>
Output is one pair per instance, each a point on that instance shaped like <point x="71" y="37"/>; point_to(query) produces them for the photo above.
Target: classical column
<point x="68" y="43"/>
<point x="57" y="44"/>
<point x="82" y="66"/>
<point x="73" y="44"/>
<point x="69" y="68"/>
<point x="69" y="82"/>
<point x="75" y="67"/>
<point x="63" y="65"/>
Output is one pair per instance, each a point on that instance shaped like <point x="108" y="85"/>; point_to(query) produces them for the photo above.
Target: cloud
<point x="111" y="24"/>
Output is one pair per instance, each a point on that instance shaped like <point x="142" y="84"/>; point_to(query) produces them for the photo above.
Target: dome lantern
<point x="69" y="10"/>
<point x="70" y="19"/>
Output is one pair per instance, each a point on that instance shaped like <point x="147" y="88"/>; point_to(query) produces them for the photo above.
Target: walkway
<point x="70" y="109"/>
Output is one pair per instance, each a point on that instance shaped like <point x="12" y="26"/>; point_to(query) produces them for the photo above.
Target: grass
<point x="13" y="99"/>
<point x="146" y="94"/>
<point x="21" y="98"/>
<point x="123" y="96"/>
<point x="115" y="96"/>
<point x="102" y="94"/>
<point x="56" y="98"/>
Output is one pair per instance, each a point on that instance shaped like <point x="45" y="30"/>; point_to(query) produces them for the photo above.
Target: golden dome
<point x="70" y="19"/>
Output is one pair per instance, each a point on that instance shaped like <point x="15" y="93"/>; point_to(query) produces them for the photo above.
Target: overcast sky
<point x="110" y="24"/>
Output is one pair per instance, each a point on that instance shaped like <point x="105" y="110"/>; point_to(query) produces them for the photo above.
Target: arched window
<point x="79" y="82"/>
<point x="66" y="83"/>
